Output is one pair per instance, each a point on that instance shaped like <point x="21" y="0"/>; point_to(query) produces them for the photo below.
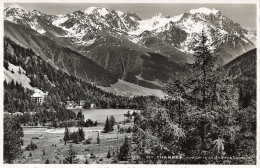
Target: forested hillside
<point x="243" y="70"/>
<point x="59" y="85"/>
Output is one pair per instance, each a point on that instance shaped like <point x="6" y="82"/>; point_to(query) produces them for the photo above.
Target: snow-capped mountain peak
<point x="119" y="13"/>
<point x="204" y="10"/>
<point x="92" y="10"/>
<point x="161" y="15"/>
<point x="178" y="31"/>
<point x="14" y="7"/>
<point x="15" y="10"/>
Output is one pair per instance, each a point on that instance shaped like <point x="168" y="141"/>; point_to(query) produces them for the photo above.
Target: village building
<point x="82" y="102"/>
<point x="30" y="112"/>
<point x="18" y="113"/>
<point x="93" y="105"/>
<point x="38" y="97"/>
<point x="71" y="104"/>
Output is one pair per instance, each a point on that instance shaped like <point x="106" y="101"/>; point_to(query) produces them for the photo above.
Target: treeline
<point x="87" y="123"/>
<point x="16" y="97"/>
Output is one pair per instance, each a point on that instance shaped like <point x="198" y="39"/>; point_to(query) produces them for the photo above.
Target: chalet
<point x="82" y="102"/>
<point x="38" y="97"/>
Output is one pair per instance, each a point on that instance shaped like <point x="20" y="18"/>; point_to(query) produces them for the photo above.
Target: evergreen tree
<point x="77" y="140"/>
<point x="112" y="120"/>
<point x="13" y="134"/>
<point x="109" y="154"/>
<point x="47" y="161"/>
<point x="125" y="148"/>
<point x="71" y="157"/>
<point x="86" y="161"/>
<point x="66" y="135"/>
<point x="107" y="127"/>
<point x="80" y="115"/>
<point x="98" y="139"/>
<point x="81" y="133"/>
<point x="6" y="65"/>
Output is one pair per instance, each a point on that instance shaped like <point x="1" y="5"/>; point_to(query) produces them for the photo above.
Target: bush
<point x="124" y="150"/>
<point x="108" y="154"/>
<point x="31" y="146"/>
<point x="92" y="155"/>
<point x="90" y="123"/>
<point x="47" y="161"/>
<point x="75" y="137"/>
<point x="88" y="141"/>
<point x="30" y="154"/>
<point x="129" y="130"/>
<point x="86" y="161"/>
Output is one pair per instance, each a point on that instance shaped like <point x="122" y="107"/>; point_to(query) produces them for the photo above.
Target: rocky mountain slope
<point x="121" y="42"/>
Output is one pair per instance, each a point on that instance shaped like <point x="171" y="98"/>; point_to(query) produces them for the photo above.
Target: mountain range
<point x="102" y="46"/>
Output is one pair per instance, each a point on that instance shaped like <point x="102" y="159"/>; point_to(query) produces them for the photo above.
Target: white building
<point x="38" y="97"/>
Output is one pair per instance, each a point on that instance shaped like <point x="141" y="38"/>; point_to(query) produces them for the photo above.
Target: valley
<point x="50" y="143"/>
<point x="103" y="86"/>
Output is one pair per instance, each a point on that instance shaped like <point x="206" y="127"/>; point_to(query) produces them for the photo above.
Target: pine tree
<point x="86" y="161"/>
<point x="66" y="135"/>
<point x="47" y="161"/>
<point x="107" y="127"/>
<point x="80" y="115"/>
<point x="6" y="65"/>
<point x="98" y="139"/>
<point x="125" y="148"/>
<point x="13" y="134"/>
<point x="77" y="138"/>
<point x="71" y="158"/>
<point x="81" y="133"/>
<point x="112" y="120"/>
<point x="109" y="154"/>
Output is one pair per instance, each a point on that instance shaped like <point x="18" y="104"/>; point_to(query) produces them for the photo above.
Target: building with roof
<point x="38" y="97"/>
<point x="82" y="102"/>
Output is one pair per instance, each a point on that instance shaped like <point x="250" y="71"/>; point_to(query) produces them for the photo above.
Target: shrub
<point x="88" y="141"/>
<point x="92" y="155"/>
<point x="31" y="146"/>
<point x="129" y="130"/>
<point x="86" y="161"/>
<point x="47" y="161"/>
<point x="108" y="154"/>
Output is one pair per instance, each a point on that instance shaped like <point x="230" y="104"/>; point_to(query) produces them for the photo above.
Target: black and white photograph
<point x="129" y="83"/>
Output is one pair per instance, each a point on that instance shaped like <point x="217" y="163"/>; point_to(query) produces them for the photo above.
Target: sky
<point x="244" y="14"/>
